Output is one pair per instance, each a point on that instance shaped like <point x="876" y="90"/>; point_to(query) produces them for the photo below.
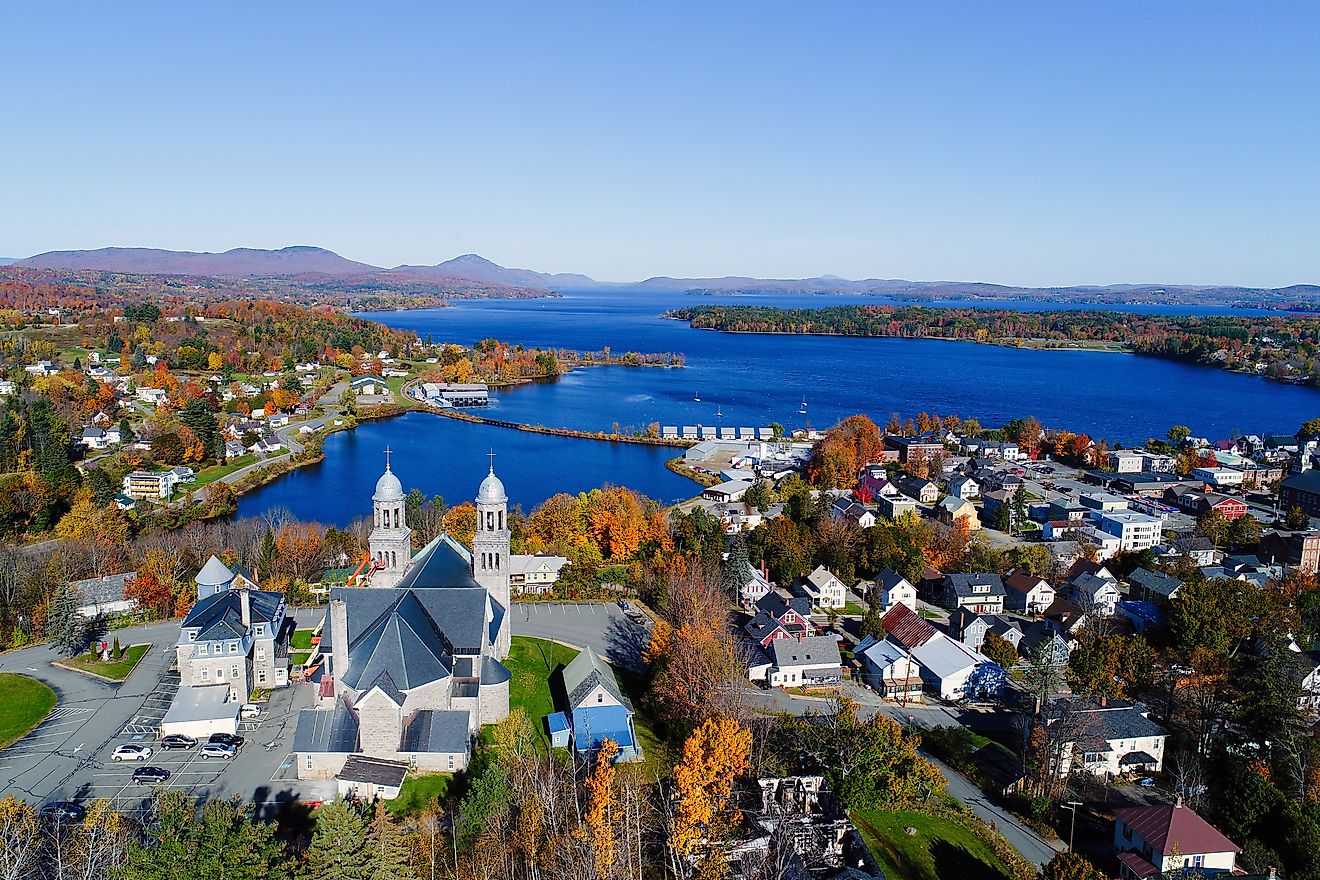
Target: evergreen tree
<point x="339" y="845"/>
<point x="872" y="625"/>
<point x="66" y="626"/>
<point x="224" y="843"/>
<point x="737" y="569"/>
<point x="197" y="415"/>
<point x="125" y="430"/>
<point x="388" y="854"/>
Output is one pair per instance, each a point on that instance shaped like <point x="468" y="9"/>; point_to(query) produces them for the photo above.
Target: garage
<point x="201" y="711"/>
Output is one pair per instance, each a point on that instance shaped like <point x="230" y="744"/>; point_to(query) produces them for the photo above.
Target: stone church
<point x="411" y="661"/>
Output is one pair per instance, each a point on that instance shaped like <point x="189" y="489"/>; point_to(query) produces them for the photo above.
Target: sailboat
<point x="696" y="396"/>
<point x="803" y="408"/>
<point x="718" y="414"/>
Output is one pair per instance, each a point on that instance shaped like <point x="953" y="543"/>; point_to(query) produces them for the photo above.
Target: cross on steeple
<point x="387" y="458"/>
<point x="492" y="460"/>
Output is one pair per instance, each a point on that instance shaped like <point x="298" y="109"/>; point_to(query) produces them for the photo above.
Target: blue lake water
<point x="750" y="380"/>
<point x="446" y="457"/>
<point x="747" y="380"/>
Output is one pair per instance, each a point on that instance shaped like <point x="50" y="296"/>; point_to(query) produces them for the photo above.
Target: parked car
<point x="228" y="739"/>
<point x="150" y="774"/>
<point x="217" y="750"/>
<point x="177" y="741"/>
<point x="1146" y="782"/>
<point x="132" y="752"/>
<point x="66" y="811"/>
<point x="249" y="710"/>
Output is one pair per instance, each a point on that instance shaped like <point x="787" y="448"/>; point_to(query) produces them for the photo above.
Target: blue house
<point x="597" y="709"/>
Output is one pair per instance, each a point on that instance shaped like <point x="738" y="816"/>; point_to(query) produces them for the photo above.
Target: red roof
<point x="1165" y="826"/>
<point x="907" y="627"/>
<point x="1023" y="581"/>
<point x="1138" y="866"/>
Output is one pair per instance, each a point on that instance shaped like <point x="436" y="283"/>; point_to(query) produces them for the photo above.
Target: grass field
<point x="116" y="669"/>
<point x="24" y="703"/>
<point x="531" y="664"/>
<point x="211" y="474"/>
<point x="418" y="791"/>
<point x="943" y="847"/>
<point x="301" y="640"/>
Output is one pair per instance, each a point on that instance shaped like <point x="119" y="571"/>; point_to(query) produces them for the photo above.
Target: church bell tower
<point x="390" y="543"/>
<point x="490" y="549"/>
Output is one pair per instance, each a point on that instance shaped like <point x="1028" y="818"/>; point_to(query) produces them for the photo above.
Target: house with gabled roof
<point x="1153" y="586"/>
<point x="944" y="664"/>
<point x="895" y="589"/>
<point x="889" y="669"/>
<point x="824" y="589"/>
<point x="1107" y="738"/>
<point x="1026" y="593"/>
<point x="597" y="709"/>
<point x="1153" y="840"/>
<point x="234" y="634"/>
<point x="813" y="661"/>
<point x="979" y="592"/>
<point x="788" y="610"/>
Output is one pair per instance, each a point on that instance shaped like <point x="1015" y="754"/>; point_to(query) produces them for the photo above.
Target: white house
<point x="945" y="665"/>
<point x="1153" y="841"/>
<point x="1222" y="477"/>
<point x="889" y="669"/>
<point x="6" y="387"/>
<point x="534" y="574"/>
<point x="150" y="485"/>
<point x="895" y="590"/>
<point x="1107" y="738"/>
<point x="812" y="661"/>
<point x="1026" y="593"/>
<point x="153" y="396"/>
<point x="104" y="595"/>
<point x="1095" y="593"/>
<point x="1135" y="531"/>
<point x="964" y="488"/>
<point x="824" y="589"/>
<point x="94" y="438"/>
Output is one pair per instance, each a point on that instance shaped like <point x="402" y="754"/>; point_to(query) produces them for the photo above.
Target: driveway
<point x="602" y="626"/>
<point x="68" y="755"/>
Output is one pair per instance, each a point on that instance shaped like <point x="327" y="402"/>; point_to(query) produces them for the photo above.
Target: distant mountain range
<point x="306" y="260"/>
<point x="298" y="260"/>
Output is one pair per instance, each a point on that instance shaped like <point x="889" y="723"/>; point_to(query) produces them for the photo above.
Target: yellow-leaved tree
<point x="598" y="822"/>
<point x="714" y="755"/>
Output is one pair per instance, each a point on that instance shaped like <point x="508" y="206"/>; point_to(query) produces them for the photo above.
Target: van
<point x="249" y="710"/>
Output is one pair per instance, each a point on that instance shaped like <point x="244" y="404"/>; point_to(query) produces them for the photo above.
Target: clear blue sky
<point x="1045" y="143"/>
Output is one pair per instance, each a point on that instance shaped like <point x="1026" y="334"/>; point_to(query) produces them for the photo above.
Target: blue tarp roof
<point x="593" y="725"/>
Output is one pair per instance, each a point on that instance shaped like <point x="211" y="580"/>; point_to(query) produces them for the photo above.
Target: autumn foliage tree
<point x="692" y="656"/>
<point x="715" y="754"/>
<point x="840" y="455"/>
<point x="599" y="818"/>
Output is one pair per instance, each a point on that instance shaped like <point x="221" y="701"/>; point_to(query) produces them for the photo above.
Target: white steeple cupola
<point x="390" y="544"/>
<point x="490" y="548"/>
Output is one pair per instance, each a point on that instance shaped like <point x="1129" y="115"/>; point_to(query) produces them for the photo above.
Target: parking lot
<point x="67" y="757"/>
<point x="602" y="625"/>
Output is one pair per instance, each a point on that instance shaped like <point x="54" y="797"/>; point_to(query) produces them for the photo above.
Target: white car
<point x="250" y="710"/>
<point x="130" y="752"/>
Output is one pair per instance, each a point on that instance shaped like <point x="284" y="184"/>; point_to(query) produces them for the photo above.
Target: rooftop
<point x="1165" y="826"/>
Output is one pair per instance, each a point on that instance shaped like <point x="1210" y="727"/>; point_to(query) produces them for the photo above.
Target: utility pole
<point x="1072" y="806"/>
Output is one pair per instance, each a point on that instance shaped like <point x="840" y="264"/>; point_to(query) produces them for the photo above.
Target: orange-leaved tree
<point x="714" y="755"/>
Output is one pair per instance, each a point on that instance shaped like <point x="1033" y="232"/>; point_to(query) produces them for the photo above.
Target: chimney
<point x="1177" y="802"/>
<point x="1104" y="702"/>
<point x="338" y="637"/>
<point x="245" y="607"/>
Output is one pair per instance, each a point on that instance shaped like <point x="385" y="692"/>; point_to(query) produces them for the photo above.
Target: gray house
<point x="980" y="592"/>
<point x="234" y="635"/>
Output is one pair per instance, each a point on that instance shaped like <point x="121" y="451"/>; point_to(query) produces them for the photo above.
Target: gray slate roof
<point x="961" y="584"/>
<point x="436" y="730"/>
<point x="377" y="771"/>
<point x="811" y="651"/>
<point x="326" y="730"/>
<point x="403" y="643"/>
<point x="584" y="672"/>
<point x="220" y="617"/>
<point x="1155" y="582"/>
<point x="98" y="591"/>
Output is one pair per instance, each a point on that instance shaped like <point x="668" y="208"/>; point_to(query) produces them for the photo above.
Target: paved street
<point x="67" y="756"/>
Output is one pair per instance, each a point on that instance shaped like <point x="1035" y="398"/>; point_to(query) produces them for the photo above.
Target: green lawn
<point x="299" y="658"/>
<point x="418" y="791"/>
<point x="852" y="609"/>
<point x="24" y="703"/>
<point x="211" y="474"/>
<point x="943" y="847"/>
<point x="301" y="640"/>
<point x="531" y="664"/>
<point x="116" y="669"/>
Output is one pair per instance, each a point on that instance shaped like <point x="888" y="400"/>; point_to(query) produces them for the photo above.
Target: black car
<point x="66" y="811"/>
<point x="227" y="739"/>
<point x="177" y="741"/>
<point x="151" y="774"/>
